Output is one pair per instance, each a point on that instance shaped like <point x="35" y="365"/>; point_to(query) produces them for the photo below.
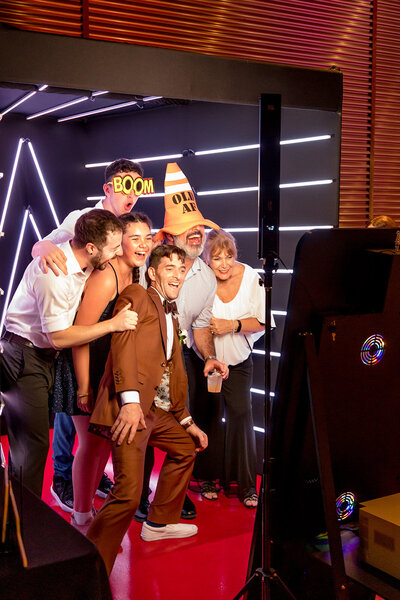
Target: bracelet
<point x="82" y="395"/>
<point x="188" y="424"/>
<point x="239" y="326"/>
<point x="210" y="358"/>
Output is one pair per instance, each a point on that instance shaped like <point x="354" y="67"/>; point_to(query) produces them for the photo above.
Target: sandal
<point x="250" y="501"/>
<point x="208" y="490"/>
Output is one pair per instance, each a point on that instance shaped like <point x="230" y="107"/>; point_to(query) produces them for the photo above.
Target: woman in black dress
<point x="98" y="301"/>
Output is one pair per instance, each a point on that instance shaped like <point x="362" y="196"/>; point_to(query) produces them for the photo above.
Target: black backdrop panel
<point x="63" y="149"/>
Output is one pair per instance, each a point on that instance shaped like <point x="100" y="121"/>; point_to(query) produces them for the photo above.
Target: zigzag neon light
<point x="16" y="258"/>
<point x="10" y="185"/>
<point x="46" y="191"/>
<point x="35" y="227"/>
<point x="14" y="268"/>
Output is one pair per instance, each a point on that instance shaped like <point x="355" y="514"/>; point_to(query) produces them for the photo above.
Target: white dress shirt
<point x="195" y="300"/>
<point x="44" y="303"/>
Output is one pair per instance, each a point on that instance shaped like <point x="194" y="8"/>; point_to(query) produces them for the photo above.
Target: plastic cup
<point x="214" y="382"/>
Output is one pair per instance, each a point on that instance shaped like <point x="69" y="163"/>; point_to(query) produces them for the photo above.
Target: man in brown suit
<point x="142" y="399"/>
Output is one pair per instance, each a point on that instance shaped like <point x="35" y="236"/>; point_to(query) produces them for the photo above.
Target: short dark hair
<point x="94" y="226"/>
<point x="165" y="250"/>
<point x="122" y="165"/>
<point x="135" y="217"/>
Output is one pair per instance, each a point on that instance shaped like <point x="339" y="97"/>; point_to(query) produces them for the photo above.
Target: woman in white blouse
<point x="237" y="322"/>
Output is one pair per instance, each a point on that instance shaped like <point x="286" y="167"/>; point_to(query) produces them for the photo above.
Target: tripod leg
<point x="247" y="585"/>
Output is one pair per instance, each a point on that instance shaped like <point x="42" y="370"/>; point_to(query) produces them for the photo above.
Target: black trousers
<point x="207" y="412"/>
<point x="231" y="453"/>
<point x="27" y="377"/>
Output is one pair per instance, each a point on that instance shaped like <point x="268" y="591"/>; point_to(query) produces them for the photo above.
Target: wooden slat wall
<point x="46" y="16"/>
<point x="309" y="33"/>
<point x="386" y="110"/>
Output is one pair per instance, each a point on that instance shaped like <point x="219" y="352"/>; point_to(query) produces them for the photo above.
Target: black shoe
<point x="188" y="510"/>
<point x="105" y="486"/>
<point x="142" y="511"/>
<point x="62" y="492"/>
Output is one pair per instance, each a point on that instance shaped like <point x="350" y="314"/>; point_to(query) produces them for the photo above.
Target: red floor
<point x="212" y="564"/>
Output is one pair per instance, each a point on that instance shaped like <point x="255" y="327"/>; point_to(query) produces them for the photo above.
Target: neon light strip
<point x="150" y="98"/>
<point x="262" y="392"/>
<point x="90" y="113"/>
<point x="35" y="227"/>
<point x="217" y="150"/>
<point x="64" y="105"/>
<point x="252" y="188"/>
<point x="239" y="229"/>
<point x="23" y="99"/>
<point x="255" y="188"/>
<point x="10" y="185"/>
<point x="273" y="354"/>
<point x="228" y="191"/>
<point x="255" y="229"/>
<point x="306" y="183"/>
<point x="278" y="271"/>
<point x="315" y="138"/>
<point x="46" y="191"/>
<point x="305" y="227"/>
<point x="148" y="159"/>
<point x="14" y="268"/>
<point x="229" y="149"/>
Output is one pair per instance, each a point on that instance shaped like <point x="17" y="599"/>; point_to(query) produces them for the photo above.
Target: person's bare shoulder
<point x="103" y="280"/>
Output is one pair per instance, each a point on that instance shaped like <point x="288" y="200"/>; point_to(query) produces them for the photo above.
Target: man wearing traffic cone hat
<point x="181" y="211"/>
<point x="184" y="227"/>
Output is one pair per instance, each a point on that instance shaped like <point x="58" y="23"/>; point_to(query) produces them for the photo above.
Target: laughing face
<point x="120" y="203"/>
<point x="168" y="277"/>
<point x="191" y="241"/>
<point x="222" y="263"/>
<point x="112" y="248"/>
<point x="137" y="244"/>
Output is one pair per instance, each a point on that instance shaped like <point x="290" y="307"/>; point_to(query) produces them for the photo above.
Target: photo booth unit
<point x="336" y="415"/>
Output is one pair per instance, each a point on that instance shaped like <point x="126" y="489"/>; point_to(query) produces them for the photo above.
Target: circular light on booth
<point x="372" y="350"/>
<point x="345" y="505"/>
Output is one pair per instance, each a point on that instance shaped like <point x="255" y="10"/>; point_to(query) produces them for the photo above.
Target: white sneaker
<point x="173" y="530"/>
<point x="85" y="526"/>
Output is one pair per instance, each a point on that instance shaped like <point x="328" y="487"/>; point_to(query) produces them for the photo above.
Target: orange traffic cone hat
<point x="181" y="212"/>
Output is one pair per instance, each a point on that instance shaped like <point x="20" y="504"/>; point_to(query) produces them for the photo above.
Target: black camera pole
<point x="264" y="577"/>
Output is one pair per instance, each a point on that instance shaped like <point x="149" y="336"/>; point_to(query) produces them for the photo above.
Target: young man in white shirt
<point x="39" y="322"/>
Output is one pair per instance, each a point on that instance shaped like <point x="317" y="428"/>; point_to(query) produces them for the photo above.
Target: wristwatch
<point x="210" y="358"/>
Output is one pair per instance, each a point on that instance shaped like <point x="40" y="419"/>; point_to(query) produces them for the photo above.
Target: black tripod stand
<point x="268" y="249"/>
<point x="264" y="577"/>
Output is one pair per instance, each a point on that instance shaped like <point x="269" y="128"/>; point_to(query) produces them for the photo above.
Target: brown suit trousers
<point x="164" y="432"/>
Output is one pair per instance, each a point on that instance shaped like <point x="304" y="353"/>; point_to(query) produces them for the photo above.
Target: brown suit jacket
<point x="137" y="360"/>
